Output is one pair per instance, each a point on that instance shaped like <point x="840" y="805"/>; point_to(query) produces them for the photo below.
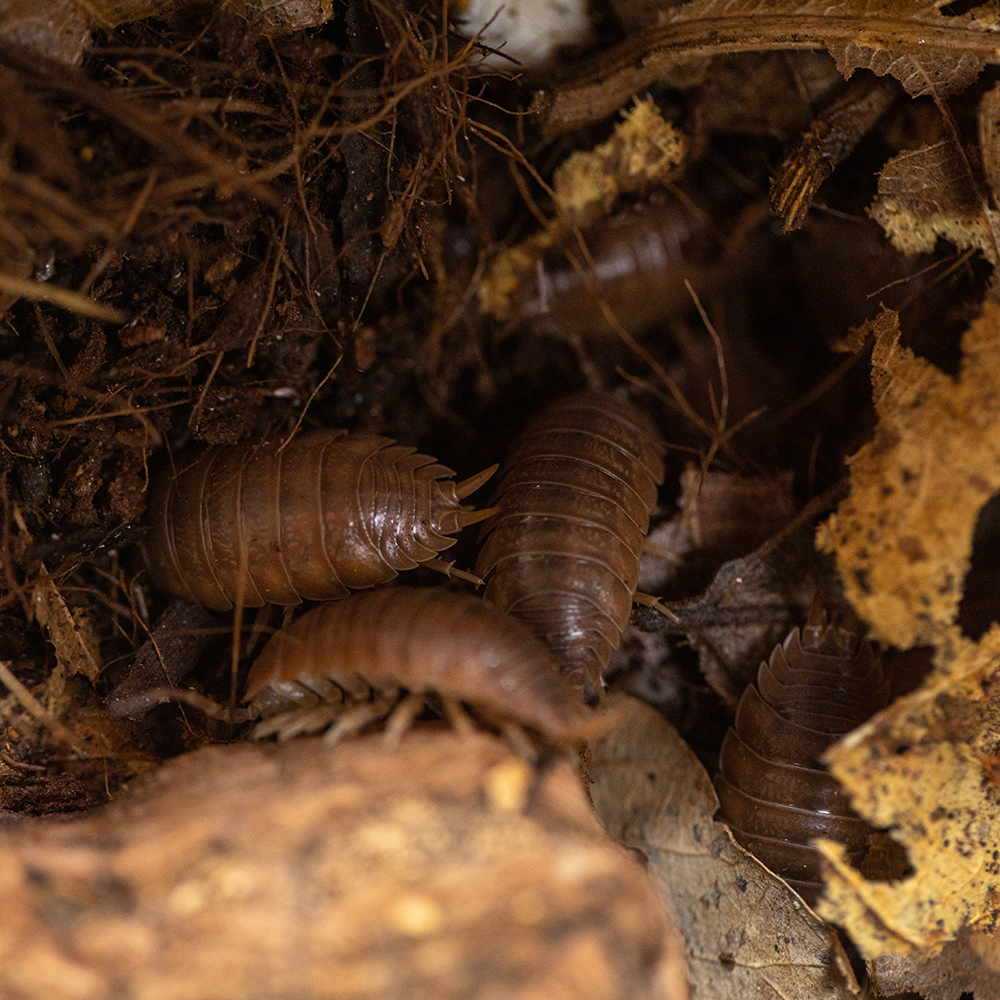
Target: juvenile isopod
<point x="775" y="792"/>
<point x="348" y="663"/>
<point x="328" y="513"/>
<point x="561" y="554"/>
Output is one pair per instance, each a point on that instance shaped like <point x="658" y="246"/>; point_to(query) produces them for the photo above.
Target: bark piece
<point x="445" y="869"/>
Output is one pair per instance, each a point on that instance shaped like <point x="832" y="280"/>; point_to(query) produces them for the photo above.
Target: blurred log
<point x="449" y="868"/>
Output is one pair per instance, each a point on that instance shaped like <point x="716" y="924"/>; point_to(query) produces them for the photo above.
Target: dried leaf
<point x="903" y="537"/>
<point x="747" y="933"/>
<point x="722" y="516"/>
<point x="930" y="192"/>
<point x="917" y="768"/>
<point x="275" y="17"/>
<point x="77" y="647"/>
<point x="446" y="869"/>
<point x="989" y="140"/>
<point x="956" y="970"/>
<point x="911" y="40"/>
<point x="749" y="608"/>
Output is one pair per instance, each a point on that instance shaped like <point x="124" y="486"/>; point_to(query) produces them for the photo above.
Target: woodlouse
<point x="637" y="262"/>
<point x="328" y="513"/>
<point x="776" y="795"/>
<point x="561" y="554"/>
<point x="347" y="662"/>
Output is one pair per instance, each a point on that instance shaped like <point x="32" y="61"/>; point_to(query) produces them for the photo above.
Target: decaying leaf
<point x="747" y="934"/>
<point x="270" y="16"/>
<point x="930" y="192"/>
<point x="446" y="869"/>
<point x="903" y="537"/>
<point x="918" y="768"/>
<point x="57" y="29"/>
<point x="910" y="40"/>
<point x="748" y="609"/>
<point x="959" y="968"/>
<point x="989" y="140"/>
<point x="77" y="649"/>
<point x="723" y="515"/>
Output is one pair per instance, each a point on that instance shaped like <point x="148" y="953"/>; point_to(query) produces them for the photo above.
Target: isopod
<point x="637" y="263"/>
<point x="775" y="792"/>
<point x="328" y="513"/>
<point x="348" y="662"/>
<point x="561" y="554"/>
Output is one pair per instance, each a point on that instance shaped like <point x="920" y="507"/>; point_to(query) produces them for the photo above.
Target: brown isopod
<point x="776" y="795"/>
<point x="328" y="513"/>
<point x="347" y="663"/>
<point x="638" y="263"/>
<point x="561" y="554"/>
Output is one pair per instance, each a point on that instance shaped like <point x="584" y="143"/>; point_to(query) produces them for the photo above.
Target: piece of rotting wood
<point x="449" y="869"/>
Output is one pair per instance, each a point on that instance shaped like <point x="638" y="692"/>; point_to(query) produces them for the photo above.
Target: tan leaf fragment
<point x="77" y="648"/>
<point x="903" y="537"/>
<point x="958" y="969"/>
<point x="917" y="767"/>
<point x="928" y="193"/>
<point x="747" y="933"/>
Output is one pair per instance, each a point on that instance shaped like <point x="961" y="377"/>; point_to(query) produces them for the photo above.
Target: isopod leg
<point x="652" y="601"/>
<point x="457" y="717"/>
<point x="518" y="739"/>
<point x="293" y="723"/>
<point x="357" y="718"/>
<point x="401" y="719"/>
<point x="448" y="568"/>
<point x="469" y="486"/>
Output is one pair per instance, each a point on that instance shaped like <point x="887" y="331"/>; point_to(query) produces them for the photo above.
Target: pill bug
<point x="775" y="793"/>
<point x="561" y="553"/>
<point x="328" y="513"/>
<point x="347" y="663"/>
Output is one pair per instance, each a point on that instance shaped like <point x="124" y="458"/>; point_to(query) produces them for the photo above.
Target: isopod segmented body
<point x="561" y="554"/>
<point x="776" y="795"/>
<point x="328" y="513"/>
<point x="347" y="663"/>
<point x="640" y="263"/>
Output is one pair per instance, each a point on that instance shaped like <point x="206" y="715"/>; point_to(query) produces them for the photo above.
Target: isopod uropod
<point x="561" y="554"/>
<point x="348" y="662"/>
<point x="776" y="795"/>
<point x="328" y="513"/>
